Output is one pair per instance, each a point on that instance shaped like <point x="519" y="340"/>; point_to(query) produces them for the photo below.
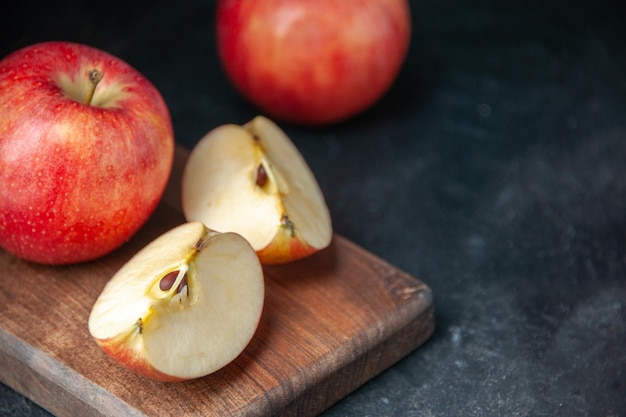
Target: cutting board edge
<point x="52" y="385"/>
<point x="384" y="356"/>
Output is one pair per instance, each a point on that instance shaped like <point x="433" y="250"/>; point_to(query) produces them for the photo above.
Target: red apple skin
<point x="77" y="180"/>
<point x="126" y="350"/>
<point x="313" y="62"/>
<point x="285" y="248"/>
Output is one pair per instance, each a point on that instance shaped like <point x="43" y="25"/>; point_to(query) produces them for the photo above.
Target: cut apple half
<point x="183" y="307"/>
<point x="252" y="180"/>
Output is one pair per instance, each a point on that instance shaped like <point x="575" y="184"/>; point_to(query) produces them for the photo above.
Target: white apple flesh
<point x="183" y="307"/>
<point x="252" y="180"/>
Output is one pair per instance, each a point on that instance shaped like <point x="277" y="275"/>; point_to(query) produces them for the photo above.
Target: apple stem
<point x="285" y="222"/>
<point x="139" y="324"/>
<point x="94" y="78"/>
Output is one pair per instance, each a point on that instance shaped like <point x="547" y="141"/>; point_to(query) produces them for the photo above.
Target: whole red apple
<point x="84" y="155"/>
<point x="313" y="62"/>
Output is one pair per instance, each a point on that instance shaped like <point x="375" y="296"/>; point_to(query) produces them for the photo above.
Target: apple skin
<point x="284" y="249"/>
<point x="77" y="180"/>
<point x="313" y="62"/>
<point x="131" y="354"/>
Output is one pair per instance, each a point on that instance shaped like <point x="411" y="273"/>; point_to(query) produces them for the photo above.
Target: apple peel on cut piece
<point x="252" y="180"/>
<point x="183" y="307"/>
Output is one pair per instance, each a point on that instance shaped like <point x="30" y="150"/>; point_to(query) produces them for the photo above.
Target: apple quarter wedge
<point x="184" y="306"/>
<point x="252" y="180"/>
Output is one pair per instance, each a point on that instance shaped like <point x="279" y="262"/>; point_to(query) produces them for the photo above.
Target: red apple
<point x="83" y="163"/>
<point x="313" y="62"/>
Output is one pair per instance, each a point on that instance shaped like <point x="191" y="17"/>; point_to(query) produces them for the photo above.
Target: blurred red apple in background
<point x="83" y="163"/>
<point x="313" y="62"/>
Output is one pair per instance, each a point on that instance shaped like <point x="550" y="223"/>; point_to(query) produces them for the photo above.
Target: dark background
<point x="494" y="171"/>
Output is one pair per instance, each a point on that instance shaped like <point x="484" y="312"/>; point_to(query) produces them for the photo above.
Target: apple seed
<point x="166" y="283"/>
<point x="261" y="176"/>
<point x="168" y="280"/>
<point x="183" y="284"/>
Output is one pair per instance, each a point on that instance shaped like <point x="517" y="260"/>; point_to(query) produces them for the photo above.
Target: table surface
<point x="494" y="170"/>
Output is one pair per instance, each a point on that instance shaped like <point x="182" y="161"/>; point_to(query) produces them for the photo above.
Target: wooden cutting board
<point x="330" y="323"/>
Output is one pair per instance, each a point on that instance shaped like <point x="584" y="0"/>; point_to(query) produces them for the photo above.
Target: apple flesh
<point x="312" y="62"/>
<point x="183" y="307"/>
<point x="252" y="180"/>
<point x="83" y="163"/>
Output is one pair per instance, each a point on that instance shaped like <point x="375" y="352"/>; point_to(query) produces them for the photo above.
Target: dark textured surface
<point x="494" y="171"/>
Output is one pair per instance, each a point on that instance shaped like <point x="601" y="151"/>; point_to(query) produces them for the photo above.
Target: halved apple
<point x="252" y="180"/>
<point x="183" y="307"/>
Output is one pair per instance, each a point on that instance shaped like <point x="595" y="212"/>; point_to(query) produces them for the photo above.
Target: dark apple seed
<point x="183" y="283"/>
<point x="261" y="176"/>
<point x="168" y="280"/>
